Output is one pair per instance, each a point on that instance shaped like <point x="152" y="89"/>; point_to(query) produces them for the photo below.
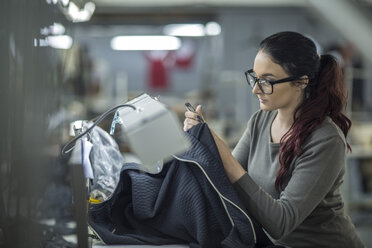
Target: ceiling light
<point x="51" y="1"/>
<point x="194" y="30"/>
<point x="80" y="15"/>
<point x="54" y="29"/>
<point x="90" y="7"/>
<point x="65" y="2"/>
<point x="57" y="29"/>
<point x="212" y="28"/>
<point x="145" y="43"/>
<point x="73" y="10"/>
<point x="59" y="41"/>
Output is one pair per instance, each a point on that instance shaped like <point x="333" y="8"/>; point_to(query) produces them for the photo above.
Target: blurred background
<point x="67" y="60"/>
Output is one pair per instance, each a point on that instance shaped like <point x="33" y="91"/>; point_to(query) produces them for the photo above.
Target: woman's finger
<point x="199" y="111"/>
<point x="188" y="123"/>
<point x="192" y="115"/>
<point x="195" y="115"/>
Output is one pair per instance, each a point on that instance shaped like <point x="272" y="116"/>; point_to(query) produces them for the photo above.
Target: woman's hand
<point x="193" y="118"/>
<point x="232" y="167"/>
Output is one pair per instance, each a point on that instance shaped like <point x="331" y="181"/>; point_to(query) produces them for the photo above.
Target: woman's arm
<point x="315" y="172"/>
<point x="232" y="167"/>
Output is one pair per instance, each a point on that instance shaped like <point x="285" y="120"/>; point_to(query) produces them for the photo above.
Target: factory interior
<point x="64" y="66"/>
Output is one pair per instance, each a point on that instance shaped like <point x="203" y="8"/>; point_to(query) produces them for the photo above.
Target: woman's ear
<point x="303" y="81"/>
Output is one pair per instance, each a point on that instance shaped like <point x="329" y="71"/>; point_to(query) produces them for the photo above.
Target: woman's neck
<point x="281" y="124"/>
<point x="284" y="118"/>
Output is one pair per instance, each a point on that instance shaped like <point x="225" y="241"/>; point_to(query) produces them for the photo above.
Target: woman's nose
<point x="256" y="90"/>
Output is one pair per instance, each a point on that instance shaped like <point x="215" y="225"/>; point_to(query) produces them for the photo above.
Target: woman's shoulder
<point x="327" y="130"/>
<point x="261" y="116"/>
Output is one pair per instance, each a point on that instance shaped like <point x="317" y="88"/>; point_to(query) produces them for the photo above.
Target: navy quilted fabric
<point x="178" y="205"/>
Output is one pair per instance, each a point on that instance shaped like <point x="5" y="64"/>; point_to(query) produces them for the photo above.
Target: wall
<point x="219" y="62"/>
<point x="243" y="29"/>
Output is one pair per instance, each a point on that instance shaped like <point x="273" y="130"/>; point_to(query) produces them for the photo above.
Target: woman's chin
<point x="264" y="107"/>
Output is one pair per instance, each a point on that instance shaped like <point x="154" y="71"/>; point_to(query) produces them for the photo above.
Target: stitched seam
<point x="221" y="195"/>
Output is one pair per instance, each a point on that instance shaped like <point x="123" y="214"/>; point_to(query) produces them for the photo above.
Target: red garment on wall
<point x="161" y="61"/>
<point x="158" y="76"/>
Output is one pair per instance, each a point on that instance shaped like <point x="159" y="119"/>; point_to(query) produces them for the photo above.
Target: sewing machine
<point x="153" y="132"/>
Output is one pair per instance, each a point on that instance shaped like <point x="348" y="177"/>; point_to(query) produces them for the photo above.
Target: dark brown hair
<point x="325" y="94"/>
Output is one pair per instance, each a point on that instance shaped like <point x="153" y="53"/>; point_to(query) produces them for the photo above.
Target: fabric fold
<point x="183" y="204"/>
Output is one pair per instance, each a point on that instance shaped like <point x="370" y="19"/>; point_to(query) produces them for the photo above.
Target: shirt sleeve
<point x="241" y="150"/>
<point x="315" y="172"/>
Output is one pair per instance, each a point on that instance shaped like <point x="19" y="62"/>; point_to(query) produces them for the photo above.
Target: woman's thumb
<point x="199" y="111"/>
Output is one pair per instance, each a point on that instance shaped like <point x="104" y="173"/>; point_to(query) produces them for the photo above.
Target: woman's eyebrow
<point x="267" y="75"/>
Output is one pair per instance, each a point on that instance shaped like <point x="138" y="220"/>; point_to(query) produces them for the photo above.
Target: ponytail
<point x="325" y="96"/>
<point x="336" y="90"/>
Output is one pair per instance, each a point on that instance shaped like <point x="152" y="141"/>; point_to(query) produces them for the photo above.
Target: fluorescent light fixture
<point x="65" y="2"/>
<point x="80" y="15"/>
<point x="147" y="42"/>
<point x="55" y="29"/>
<point x="192" y="30"/>
<point x="52" y="1"/>
<point x="90" y="7"/>
<point x="59" y="41"/>
<point x="212" y="28"/>
<point x="73" y="10"/>
<point x="43" y="42"/>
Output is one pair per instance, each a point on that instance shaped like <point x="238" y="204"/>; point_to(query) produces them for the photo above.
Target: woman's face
<point x="285" y="96"/>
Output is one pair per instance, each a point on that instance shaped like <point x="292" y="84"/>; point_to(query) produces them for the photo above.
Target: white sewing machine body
<point x="153" y="131"/>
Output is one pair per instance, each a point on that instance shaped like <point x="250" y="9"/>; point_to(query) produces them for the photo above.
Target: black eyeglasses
<point x="265" y="85"/>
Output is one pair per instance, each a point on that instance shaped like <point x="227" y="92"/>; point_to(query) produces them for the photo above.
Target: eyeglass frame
<point x="256" y="79"/>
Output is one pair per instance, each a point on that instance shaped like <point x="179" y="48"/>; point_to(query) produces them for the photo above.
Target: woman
<point x="289" y="164"/>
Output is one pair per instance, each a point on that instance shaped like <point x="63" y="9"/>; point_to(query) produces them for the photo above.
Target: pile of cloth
<point x="190" y="201"/>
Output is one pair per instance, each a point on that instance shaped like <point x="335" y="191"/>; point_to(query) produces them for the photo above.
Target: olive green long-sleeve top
<point x="309" y="211"/>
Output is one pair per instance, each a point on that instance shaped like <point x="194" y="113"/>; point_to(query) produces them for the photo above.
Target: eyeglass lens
<point x="263" y="84"/>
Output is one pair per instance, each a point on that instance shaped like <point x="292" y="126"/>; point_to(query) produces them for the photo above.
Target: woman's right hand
<point x="193" y="118"/>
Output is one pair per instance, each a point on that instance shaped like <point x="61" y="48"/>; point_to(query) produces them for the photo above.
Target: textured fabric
<point x="178" y="205"/>
<point x="309" y="211"/>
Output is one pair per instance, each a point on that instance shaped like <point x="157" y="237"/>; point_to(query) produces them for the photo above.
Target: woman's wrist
<point x="232" y="167"/>
<point x="234" y="170"/>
